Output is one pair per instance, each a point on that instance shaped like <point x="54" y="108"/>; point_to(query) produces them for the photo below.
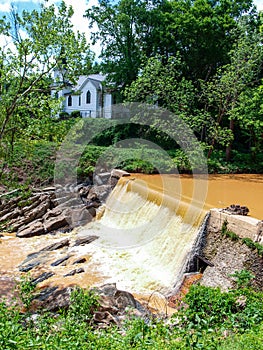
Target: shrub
<point x="75" y="114"/>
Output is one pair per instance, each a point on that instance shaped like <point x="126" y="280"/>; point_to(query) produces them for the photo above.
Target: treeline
<point x="202" y="60"/>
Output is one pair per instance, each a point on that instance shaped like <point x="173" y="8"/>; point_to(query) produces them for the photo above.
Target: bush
<point x="75" y="114"/>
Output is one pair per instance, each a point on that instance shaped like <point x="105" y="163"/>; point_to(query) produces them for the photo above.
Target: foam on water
<point x="143" y="244"/>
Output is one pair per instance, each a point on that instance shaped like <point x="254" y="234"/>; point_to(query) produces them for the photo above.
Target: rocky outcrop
<point x="44" y="258"/>
<point x="56" y="207"/>
<point x="114" y="305"/>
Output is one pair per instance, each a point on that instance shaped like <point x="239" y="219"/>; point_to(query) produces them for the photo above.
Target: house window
<point x="88" y="95"/>
<point x="70" y="101"/>
<point x="79" y="100"/>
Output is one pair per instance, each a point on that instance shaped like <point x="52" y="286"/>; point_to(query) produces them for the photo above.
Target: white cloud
<point x="5" y="6"/>
<point x="81" y="23"/>
<point x="259" y="4"/>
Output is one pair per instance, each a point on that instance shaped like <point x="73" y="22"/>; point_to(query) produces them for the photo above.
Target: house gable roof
<point x="95" y="79"/>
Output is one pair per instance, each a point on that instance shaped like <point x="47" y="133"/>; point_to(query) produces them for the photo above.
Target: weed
<point x="242" y="278"/>
<point x="26" y="290"/>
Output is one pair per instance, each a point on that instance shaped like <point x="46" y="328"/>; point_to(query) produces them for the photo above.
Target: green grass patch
<point x="211" y="319"/>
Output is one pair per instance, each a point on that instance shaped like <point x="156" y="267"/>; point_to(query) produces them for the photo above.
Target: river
<point x="221" y="191"/>
<point x="145" y="233"/>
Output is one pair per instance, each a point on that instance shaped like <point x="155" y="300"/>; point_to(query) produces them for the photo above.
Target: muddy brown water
<point x="222" y="190"/>
<point x="216" y="191"/>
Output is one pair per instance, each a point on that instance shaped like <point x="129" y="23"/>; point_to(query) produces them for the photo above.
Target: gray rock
<point x="85" y="240"/>
<point x="57" y="245"/>
<point x="46" y="293"/>
<point x="44" y="276"/>
<point x="60" y="261"/>
<point x="80" y="261"/>
<point x="118" y="173"/>
<point x="74" y="272"/>
<point x="56" y="223"/>
<point x="34" y="229"/>
<point x="56" y="300"/>
<point x="28" y="267"/>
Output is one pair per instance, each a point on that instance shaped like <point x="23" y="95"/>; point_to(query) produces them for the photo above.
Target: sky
<point x="79" y="7"/>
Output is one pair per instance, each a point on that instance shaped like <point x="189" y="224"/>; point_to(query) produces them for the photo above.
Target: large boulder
<point x="34" y="229"/>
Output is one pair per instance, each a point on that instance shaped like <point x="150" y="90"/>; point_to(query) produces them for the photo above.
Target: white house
<point x="88" y="96"/>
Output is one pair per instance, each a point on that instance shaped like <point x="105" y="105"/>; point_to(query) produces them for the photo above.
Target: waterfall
<point x="145" y="238"/>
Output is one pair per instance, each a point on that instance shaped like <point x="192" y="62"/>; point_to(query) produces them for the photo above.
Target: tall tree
<point x="36" y="43"/>
<point x="200" y="31"/>
<point x="131" y="31"/>
<point x="123" y="29"/>
<point x="226" y="94"/>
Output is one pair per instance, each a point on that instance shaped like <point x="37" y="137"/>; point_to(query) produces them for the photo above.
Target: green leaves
<point x="39" y="41"/>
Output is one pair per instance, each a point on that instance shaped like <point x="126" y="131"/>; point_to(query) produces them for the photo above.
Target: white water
<point x="143" y="245"/>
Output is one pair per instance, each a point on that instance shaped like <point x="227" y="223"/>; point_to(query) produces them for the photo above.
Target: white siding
<point x="92" y="109"/>
<point x="107" y="105"/>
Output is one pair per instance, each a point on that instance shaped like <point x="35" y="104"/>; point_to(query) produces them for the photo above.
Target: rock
<point x="92" y="212"/>
<point x="236" y="209"/>
<point x="124" y="299"/>
<point x="52" y="208"/>
<point x="46" y="293"/>
<point x="74" y="272"/>
<point x="93" y="204"/>
<point x="108" y="289"/>
<point x="53" y="300"/>
<point x="57" y="245"/>
<point x="53" y="213"/>
<point x="30" y="257"/>
<point x="84" y="191"/>
<point x="105" y="317"/>
<point x="80" y="261"/>
<point x="10" y="215"/>
<point x="114" y="304"/>
<point x="118" y="173"/>
<point x="99" y="193"/>
<point x="56" y="223"/>
<point x="29" y="266"/>
<point x="102" y="178"/>
<point x="34" y="229"/>
<point x="60" y="261"/>
<point x="37" y="209"/>
<point x="81" y="216"/>
<point x="44" y="276"/>
<point x="85" y="240"/>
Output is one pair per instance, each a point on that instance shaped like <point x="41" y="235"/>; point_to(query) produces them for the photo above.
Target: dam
<point x="146" y="233"/>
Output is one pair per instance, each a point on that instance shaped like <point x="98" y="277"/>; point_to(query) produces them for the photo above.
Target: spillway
<point x="145" y="238"/>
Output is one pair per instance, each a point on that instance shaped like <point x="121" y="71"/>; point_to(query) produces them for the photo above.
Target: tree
<point x="226" y="106"/>
<point x="132" y="31"/>
<point x="36" y="43"/>
<point x="199" y="31"/>
<point x="163" y="85"/>
<point x="226" y="95"/>
<point x="123" y="29"/>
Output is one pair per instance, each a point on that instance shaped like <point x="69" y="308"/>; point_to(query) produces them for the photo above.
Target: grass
<point x="211" y="320"/>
